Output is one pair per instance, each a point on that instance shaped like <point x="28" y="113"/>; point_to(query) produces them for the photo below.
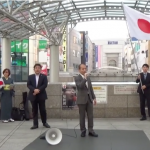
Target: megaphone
<point x="53" y="136"/>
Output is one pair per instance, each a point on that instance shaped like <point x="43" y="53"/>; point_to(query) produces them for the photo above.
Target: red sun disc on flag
<point x="1" y="83"/>
<point x="144" y="25"/>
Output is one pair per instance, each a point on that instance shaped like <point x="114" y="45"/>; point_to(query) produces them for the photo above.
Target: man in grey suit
<point x="85" y="100"/>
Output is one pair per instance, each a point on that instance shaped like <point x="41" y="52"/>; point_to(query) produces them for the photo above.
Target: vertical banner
<point x="99" y="56"/>
<point x="44" y="68"/>
<point x="96" y="56"/>
<point x="86" y="58"/>
<point x="64" y="52"/>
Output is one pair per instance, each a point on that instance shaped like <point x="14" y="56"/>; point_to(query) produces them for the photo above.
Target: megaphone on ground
<point x="53" y="136"/>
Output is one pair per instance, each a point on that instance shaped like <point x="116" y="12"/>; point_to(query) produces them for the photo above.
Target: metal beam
<point x="16" y="20"/>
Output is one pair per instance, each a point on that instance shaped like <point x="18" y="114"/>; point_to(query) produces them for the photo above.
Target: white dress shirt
<point x="84" y="78"/>
<point x="37" y="79"/>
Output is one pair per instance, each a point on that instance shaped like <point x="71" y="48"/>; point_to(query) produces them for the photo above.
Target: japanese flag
<point x="138" y="23"/>
<point x="1" y="83"/>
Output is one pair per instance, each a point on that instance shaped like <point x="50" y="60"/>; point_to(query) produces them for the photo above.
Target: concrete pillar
<point x="6" y="53"/>
<point x="54" y="63"/>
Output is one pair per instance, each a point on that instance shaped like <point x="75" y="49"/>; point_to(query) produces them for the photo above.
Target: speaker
<point x="53" y="136"/>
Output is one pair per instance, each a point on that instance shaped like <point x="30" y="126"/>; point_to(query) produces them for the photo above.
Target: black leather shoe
<point x="42" y="137"/>
<point x="93" y="134"/>
<point x="46" y="125"/>
<point x="34" y="127"/>
<point x="143" y="118"/>
<point x="83" y="133"/>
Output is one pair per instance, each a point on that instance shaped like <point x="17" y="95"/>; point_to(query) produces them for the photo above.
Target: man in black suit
<point x="144" y="90"/>
<point x="37" y="84"/>
<point x="85" y="100"/>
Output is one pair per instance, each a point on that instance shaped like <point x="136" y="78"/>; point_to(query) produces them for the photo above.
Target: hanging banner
<point x="64" y="52"/>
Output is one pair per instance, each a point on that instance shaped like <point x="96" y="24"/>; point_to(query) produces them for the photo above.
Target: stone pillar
<point x="6" y="54"/>
<point x="54" y="63"/>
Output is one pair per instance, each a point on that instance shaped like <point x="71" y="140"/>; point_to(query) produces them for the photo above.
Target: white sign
<point x="125" y="89"/>
<point x="100" y="93"/>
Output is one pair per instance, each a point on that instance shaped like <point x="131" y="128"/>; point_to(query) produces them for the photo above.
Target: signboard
<point x="64" y="52"/>
<point x="42" y="44"/>
<point x="125" y="89"/>
<point x="20" y="46"/>
<point x="112" y="42"/>
<point x="101" y="94"/>
<point x="69" y="97"/>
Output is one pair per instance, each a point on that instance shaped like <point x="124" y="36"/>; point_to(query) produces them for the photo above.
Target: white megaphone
<point x="53" y="136"/>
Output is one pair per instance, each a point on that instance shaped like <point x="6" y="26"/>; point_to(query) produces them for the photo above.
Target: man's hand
<point x="139" y="77"/>
<point x="85" y="75"/>
<point x="34" y="94"/>
<point x="36" y="91"/>
<point x="94" y="101"/>
<point x="143" y="87"/>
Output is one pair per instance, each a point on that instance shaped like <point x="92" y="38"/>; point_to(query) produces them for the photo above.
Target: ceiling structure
<point x="22" y="19"/>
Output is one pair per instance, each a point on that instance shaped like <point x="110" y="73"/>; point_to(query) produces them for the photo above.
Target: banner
<point x="64" y="52"/>
<point x="86" y="58"/>
<point x="69" y="97"/>
<point x="96" y="56"/>
<point x="44" y="68"/>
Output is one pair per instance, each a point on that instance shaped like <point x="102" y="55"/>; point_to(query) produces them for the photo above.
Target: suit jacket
<point x="145" y="82"/>
<point x="83" y="91"/>
<point x="42" y="84"/>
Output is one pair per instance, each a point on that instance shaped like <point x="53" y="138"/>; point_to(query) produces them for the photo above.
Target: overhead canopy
<point x="22" y="19"/>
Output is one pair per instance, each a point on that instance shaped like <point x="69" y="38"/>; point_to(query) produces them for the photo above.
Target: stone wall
<point x="118" y="105"/>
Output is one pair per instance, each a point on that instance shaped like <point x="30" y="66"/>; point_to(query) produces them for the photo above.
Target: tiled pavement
<point x="17" y="135"/>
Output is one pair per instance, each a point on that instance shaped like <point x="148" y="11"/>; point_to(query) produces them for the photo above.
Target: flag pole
<point x="132" y="48"/>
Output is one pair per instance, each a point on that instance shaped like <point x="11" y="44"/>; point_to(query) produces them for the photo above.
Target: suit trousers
<point x="83" y="109"/>
<point x="143" y="98"/>
<point x="41" y="104"/>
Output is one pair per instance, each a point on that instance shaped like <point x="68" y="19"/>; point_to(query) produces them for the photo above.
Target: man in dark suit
<point x="144" y="90"/>
<point x="85" y="100"/>
<point x="37" y="84"/>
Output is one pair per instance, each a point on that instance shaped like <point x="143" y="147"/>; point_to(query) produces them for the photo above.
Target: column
<point x="6" y="54"/>
<point x="54" y="63"/>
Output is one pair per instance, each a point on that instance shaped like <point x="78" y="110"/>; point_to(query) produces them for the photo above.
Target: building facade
<point x="110" y="52"/>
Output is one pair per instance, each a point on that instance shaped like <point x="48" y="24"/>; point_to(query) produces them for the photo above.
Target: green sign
<point x="20" y="46"/>
<point x="42" y="44"/>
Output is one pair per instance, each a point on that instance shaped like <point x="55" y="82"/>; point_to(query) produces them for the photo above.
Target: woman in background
<point x="7" y="91"/>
